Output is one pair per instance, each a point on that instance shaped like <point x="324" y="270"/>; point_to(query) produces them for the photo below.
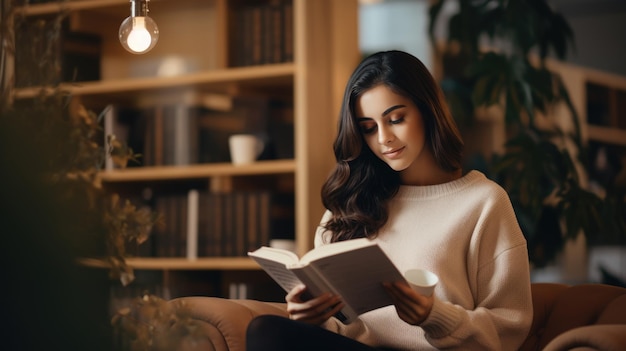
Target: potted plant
<point x="494" y="58"/>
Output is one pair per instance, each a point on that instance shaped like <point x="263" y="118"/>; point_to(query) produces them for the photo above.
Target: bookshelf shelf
<point x="218" y="80"/>
<point x="175" y="263"/>
<point x="72" y="5"/>
<point x="607" y="135"/>
<point x="198" y="171"/>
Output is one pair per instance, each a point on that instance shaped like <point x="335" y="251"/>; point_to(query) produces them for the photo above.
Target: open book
<point x="353" y="269"/>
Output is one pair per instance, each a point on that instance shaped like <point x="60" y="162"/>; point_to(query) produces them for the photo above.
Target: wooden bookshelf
<point x="598" y="97"/>
<point x="203" y="38"/>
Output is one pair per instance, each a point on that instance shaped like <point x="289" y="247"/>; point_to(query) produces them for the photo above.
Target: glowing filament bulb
<point x="138" y="33"/>
<point x="139" y="39"/>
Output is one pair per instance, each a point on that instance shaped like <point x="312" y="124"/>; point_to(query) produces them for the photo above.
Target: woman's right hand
<point x="313" y="311"/>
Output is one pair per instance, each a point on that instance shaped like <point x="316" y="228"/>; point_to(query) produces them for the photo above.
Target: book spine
<point x="109" y="132"/>
<point x="266" y="34"/>
<point x="193" y="198"/>
<point x="185" y="135"/>
<point x="264" y="218"/>
<point x="157" y="133"/>
<point x="240" y="223"/>
<point x="217" y="210"/>
<point x="257" y="35"/>
<point x="253" y="241"/>
<point x="288" y="32"/>
<point x="181" y="131"/>
<point x="181" y="230"/>
<point x="160" y="229"/>
<point x="227" y="228"/>
<point x="203" y="223"/>
<point x="147" y="158"/>
<point x="277" y="28"/>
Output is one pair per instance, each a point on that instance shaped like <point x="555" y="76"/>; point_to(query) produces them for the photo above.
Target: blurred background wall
<point x="599" y="29"/>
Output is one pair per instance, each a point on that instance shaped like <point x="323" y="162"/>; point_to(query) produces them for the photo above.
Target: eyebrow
<point x="386" y="112"/>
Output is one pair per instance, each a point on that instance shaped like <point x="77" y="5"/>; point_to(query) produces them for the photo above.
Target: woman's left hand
<point x="411" y="307"/>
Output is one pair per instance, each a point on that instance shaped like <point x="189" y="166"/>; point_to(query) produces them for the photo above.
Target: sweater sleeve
<point x="500" y="280"/>
<point x="500" y="322"/>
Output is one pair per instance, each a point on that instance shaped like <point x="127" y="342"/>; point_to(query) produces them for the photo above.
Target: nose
<point x="385" y="135"/>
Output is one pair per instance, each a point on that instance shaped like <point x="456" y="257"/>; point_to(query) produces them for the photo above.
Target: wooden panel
<point x="321" y="71"/>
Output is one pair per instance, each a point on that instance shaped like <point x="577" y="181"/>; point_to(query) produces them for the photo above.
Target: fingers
<point x="313" y="311"/>
<point x="295" y="295"/>
<point x="411" y="307"/>
<point x="318" y="314"/>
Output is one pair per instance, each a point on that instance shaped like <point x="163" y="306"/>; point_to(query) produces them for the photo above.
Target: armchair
<point x="588" y="317"/>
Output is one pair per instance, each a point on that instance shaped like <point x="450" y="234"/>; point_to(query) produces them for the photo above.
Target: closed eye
<point x="396" y="121"/>
<point x="367" y="129"/>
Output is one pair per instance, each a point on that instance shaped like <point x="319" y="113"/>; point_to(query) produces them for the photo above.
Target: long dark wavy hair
<point x="359" y="187"/>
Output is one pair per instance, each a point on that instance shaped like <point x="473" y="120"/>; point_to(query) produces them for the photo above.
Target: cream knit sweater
<point x="466" y="232"/>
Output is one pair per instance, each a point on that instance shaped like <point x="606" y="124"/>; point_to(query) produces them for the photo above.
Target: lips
<point x="394" y="152"/>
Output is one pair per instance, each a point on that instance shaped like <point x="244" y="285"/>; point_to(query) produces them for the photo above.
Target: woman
<point x="398" y="181"/>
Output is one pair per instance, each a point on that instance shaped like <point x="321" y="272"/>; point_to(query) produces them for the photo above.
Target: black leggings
<point x="276" y="333"/>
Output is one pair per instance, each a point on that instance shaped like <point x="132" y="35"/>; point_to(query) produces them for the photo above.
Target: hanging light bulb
<point x="138" y="32"/>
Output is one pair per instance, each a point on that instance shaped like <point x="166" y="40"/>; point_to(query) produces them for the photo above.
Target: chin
<point x="398" y="166"/>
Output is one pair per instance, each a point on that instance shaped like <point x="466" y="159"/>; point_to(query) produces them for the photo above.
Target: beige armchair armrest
<point x="600" y="337"/>
<point x="224" y="321"/>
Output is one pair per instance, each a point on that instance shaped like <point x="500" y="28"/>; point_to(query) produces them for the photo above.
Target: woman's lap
<point x="281" y="334"/>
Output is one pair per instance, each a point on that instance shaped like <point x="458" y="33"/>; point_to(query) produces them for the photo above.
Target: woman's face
<point x="393" y="128"/>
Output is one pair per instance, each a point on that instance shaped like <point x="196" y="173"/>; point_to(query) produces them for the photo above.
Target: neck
<point x="426" y="171"/>
<point x="431" y="177"/>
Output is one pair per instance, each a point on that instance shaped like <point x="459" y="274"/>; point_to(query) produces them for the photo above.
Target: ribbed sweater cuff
<point x="442" y="320"/>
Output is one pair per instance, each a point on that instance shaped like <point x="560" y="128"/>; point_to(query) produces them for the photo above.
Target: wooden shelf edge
<point x="180" y="263"/>
<point x="212" y="77"/>
<point x="60" y="6"/>
<point x="198" y="171"/>
<point x="607" y="135"/>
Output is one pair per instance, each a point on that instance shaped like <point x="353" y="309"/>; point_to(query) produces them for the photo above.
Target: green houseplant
<point x="494" y="55"/>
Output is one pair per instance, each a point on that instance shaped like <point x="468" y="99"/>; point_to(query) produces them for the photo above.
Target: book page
<point x="285" y="257"/>
<point x="358" y="276"/>
<point x="279" y="272"/>
<point x="274" y="262"/>
<point x="335" y="248"/>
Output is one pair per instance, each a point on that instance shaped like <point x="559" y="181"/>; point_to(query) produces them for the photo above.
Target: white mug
<point x="244" y="148"/>
<point x="285" y="244"/>
<point x="421" y="280"/>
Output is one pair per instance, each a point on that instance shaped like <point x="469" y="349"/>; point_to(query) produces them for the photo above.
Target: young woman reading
<point x="399" y="181"/>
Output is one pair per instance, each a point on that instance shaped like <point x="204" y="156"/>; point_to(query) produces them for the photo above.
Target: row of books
<point x="204" y="224"/>
<point x="73" y="57"/>
<point x="265" y="33"/>
<point x="183" y="133"/>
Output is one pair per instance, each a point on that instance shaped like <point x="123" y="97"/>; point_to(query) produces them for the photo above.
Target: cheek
<point x="415" y="133"/>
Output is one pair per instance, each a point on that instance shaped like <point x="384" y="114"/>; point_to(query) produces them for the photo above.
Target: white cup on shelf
<point x="244" y="148"/>
<point x="422" y="280"/>
<point x="285" y="244"/>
